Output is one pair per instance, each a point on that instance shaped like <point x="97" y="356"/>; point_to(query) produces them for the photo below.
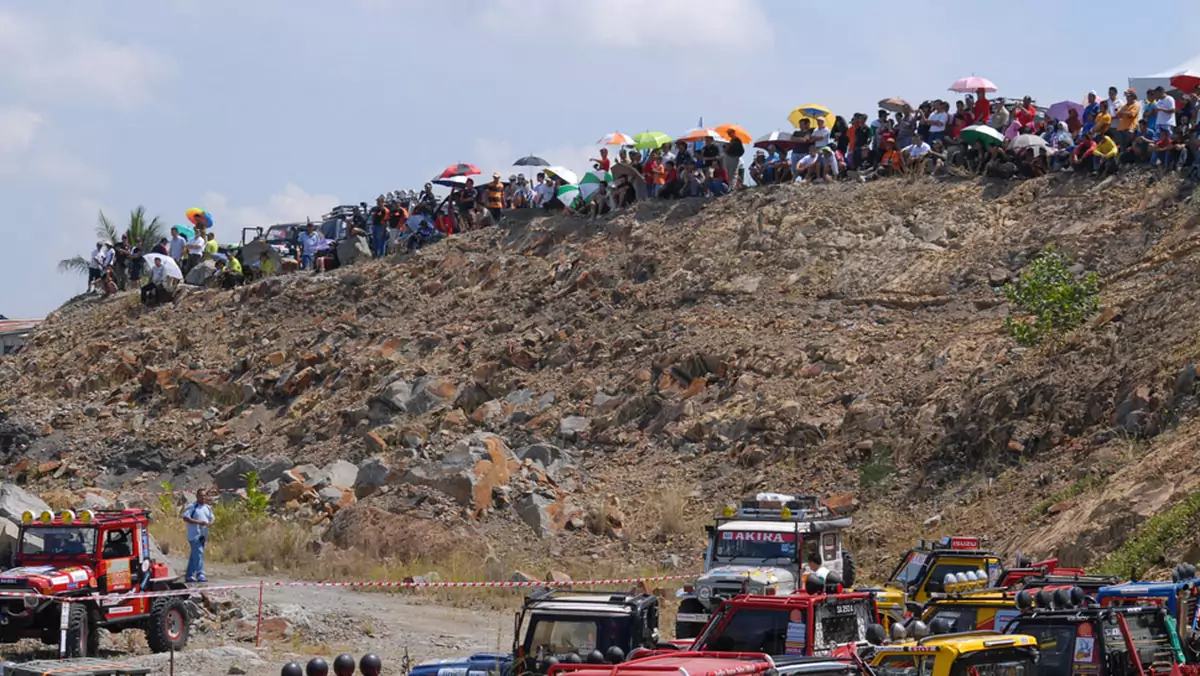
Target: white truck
<point x="761" y="548"/>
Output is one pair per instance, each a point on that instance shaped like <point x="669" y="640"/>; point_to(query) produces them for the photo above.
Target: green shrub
<point x="1148" y="546"/>
<point x="1052" y="295"/>
<point x="878" y="470"/>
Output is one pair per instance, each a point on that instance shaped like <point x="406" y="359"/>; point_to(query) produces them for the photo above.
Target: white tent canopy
<point x="1163" y="79"/>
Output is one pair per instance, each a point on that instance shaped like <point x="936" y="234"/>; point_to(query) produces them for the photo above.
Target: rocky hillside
<point x="606" y="386"/>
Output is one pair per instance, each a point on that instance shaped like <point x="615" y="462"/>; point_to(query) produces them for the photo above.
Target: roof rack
<point x="551" y="593"/>
<point x="779" y="507"/>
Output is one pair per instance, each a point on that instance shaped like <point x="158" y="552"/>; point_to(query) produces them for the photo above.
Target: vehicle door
<point x="117" y="563"/>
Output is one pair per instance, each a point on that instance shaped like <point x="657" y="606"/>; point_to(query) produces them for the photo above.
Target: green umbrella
<point x="591" y="181"/>
<point x="982" y="132"/>
<point x="567" y="194"/>
<point x="649" y="140"/>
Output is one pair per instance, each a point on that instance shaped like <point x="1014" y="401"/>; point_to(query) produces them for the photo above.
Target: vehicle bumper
<point x="692" y="618"/>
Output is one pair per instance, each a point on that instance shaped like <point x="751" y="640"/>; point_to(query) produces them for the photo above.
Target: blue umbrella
<point x="186" y="230"/>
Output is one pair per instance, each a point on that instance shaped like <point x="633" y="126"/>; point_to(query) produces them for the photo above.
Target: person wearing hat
<point x="1092" y="109"/>
<point x="543" y="192"/>
<point x="495" y="197"/>
<point x="522" y="197"/>
<point x="1127" y="119"/>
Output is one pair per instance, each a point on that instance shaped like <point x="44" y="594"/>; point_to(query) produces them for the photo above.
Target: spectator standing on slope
<point x="198" y="516"/>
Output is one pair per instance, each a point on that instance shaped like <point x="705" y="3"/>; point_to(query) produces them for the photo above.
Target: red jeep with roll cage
<point x="801" y="623"/>
<point x="73" y="559"/>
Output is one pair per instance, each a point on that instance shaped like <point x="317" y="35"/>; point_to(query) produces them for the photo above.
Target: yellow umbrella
<point x="811" y="112"/>
<point x="730" y="131"/>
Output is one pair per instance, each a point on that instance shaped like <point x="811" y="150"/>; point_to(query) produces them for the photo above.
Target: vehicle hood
<point x="756" y="575"/>
<point x="472" y="665"/>
<point x="48" y="579"/>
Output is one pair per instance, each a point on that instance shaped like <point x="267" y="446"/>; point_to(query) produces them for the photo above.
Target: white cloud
<point x="65" y="61"/>
<point x="713" y="25"/>
<point x="18" y="126"/>
<point x="291" y="205"/>
<point x="68" y="170"/>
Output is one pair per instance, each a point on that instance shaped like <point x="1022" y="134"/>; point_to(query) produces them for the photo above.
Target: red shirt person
<point x="983" y="107"/>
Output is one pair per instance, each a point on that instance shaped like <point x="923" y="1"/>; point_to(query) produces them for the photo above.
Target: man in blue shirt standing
<point x="198" y="516"/>
<point x="309" y="241"/>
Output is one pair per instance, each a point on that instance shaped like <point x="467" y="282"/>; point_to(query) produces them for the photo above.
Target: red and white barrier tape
<point x="356" y="585"/>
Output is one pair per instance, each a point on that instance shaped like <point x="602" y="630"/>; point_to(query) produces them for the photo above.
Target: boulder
<point x="232" y="475"/>
<point x="572" y="426"/>
<point x="470" y="472"/>
<point x="352" y="249"/>
<point x="337" y="473"/>
<point x="551" y="459"/>
<point x="425" y="395"/>
<point x="199" y="275"/>
<point x="541" y="513"/>
<point x="273" y="469"/>
<point x="15" y="501"/>
<point x="372" y="475"/>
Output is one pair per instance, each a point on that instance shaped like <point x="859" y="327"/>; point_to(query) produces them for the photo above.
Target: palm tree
<point x="142" y="233"/>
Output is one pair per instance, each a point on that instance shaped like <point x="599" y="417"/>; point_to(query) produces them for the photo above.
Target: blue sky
<point x="269" y="110"/>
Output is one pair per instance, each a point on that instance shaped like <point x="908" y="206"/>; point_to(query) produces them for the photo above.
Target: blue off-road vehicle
<point x="563" y="627"/>
<point x="1180" y="597"/>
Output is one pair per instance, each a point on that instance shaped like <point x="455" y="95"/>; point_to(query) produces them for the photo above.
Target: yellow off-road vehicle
<point x="973" y="653"/>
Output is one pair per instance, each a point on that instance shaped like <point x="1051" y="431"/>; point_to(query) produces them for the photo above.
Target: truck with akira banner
<point x="761" y="547"/>
<point x="74" y="573"/>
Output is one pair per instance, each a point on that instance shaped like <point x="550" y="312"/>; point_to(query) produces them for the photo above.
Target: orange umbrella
<point x="701" y="133"/>
<point x="731" y="131"/>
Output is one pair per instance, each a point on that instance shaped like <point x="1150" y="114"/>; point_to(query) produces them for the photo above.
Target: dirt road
<point x="305" y="622"/>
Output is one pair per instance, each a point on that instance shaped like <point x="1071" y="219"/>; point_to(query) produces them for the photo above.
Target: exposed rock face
<point x="842" y="340"/>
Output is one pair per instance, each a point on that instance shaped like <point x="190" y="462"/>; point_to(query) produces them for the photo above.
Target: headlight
<point x="705" y="593"/>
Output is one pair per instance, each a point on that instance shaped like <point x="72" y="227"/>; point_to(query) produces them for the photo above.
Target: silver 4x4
<point x="761" y="548"/>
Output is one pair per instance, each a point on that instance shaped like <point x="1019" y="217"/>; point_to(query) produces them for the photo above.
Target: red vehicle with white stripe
<point x="81" y="572"/>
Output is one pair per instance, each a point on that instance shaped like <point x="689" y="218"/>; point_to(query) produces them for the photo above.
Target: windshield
<point x="334" y="229"/>
<point x="1006" y="662"/>
<point x="756" y="545"/>
<point x="279" y="233"/>
<point x="58" y="541"/>
<point x="910" y="570"/>
<point x="1056" y="645"/>
<point x="558" y="635"/>
<point x="757" y="631"/>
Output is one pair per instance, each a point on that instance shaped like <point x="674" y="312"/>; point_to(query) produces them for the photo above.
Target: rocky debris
<point x="684" y="345"/>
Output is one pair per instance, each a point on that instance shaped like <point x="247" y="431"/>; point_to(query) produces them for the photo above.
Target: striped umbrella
<point x="780" y="139"/>
<point x="650" y="140"/>
<point x="567" y="194"/>
<point x="591" y="181"/>
<point x="701" y="133"/>
<point x="459" y="169"/>
<point x="615" y="138"/>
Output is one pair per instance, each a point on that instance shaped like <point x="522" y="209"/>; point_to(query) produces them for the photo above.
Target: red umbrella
<point x="1186" y="82"/>
<point x="459" y="169"/>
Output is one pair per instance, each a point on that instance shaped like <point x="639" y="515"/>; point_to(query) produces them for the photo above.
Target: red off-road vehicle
<point x="69" y="558"/>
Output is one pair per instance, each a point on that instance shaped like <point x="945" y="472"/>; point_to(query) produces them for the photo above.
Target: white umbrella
<point x="563" y="173"/>
<point x="1030" y="141"/>
<point x="167" y="262"/>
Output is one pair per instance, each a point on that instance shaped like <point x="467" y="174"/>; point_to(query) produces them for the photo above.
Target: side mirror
<point x="913" y="607"/>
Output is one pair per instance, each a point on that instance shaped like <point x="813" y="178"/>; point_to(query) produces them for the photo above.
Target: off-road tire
<point x="83" y="636"/>
<point x="169" y="625"/>
<point x="849" y="570"/>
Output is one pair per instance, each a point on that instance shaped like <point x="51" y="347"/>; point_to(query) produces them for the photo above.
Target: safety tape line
<point x="354" y="585"/>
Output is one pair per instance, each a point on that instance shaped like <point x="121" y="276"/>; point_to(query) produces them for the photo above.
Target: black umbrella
<point x="531" y="161"/>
